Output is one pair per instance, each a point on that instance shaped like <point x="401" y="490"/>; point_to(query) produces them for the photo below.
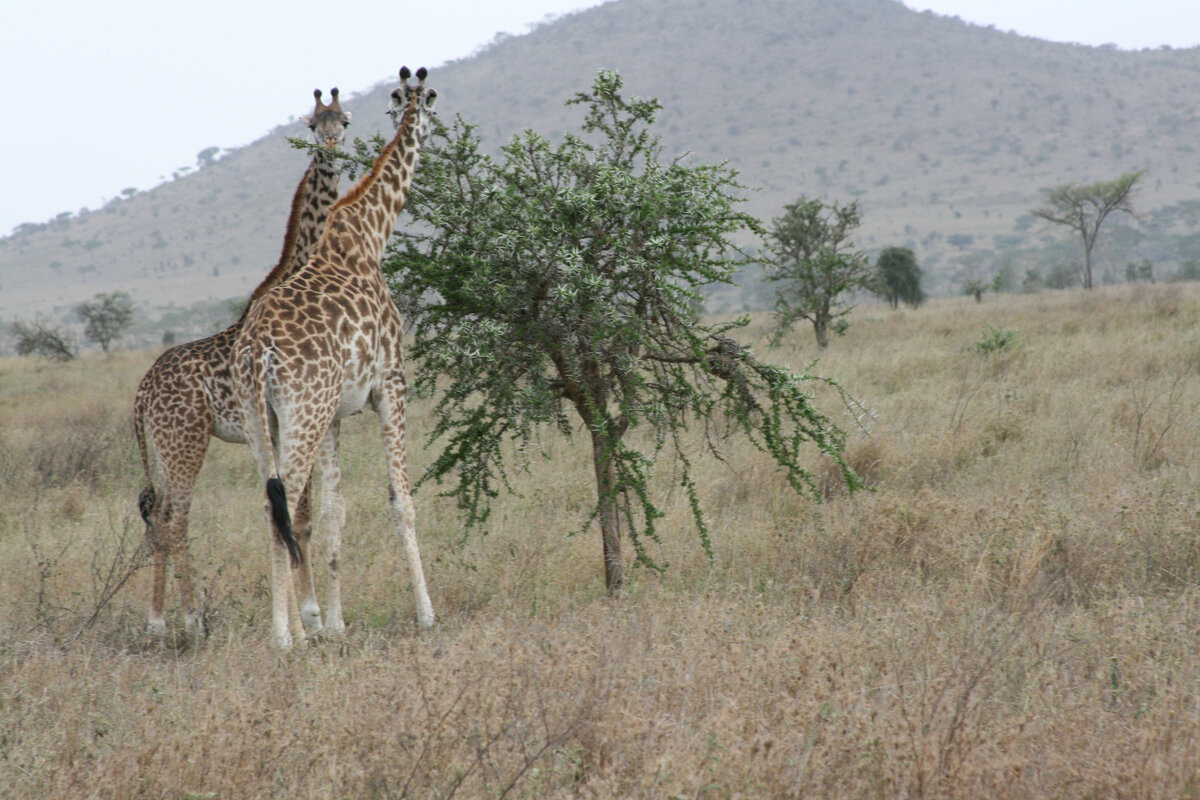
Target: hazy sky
<point x="101" y="96"/>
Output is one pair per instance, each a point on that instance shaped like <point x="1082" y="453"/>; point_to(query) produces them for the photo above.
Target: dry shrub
<point x="75" y="448"/>
<point x="866" y="456"/>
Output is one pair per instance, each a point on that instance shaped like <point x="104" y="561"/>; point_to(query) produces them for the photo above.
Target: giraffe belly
<point x="354" y="399"/>
<point x="228" y="430"/>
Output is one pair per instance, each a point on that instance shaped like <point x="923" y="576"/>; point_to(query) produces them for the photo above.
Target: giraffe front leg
<point x="333" y="521"/>
<point x="391" y="407"/>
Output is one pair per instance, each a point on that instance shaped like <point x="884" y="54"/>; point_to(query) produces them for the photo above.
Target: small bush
<point x="995" y="340"/>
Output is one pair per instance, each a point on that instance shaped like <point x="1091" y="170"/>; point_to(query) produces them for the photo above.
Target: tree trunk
<point x="821" y="328"/>
<point x="610" y="520"/>
<point x="1087" y="260"/>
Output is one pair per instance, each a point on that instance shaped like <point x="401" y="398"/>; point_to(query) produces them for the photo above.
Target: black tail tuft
<point x="277" y="497"/>
<point x="146" y="502"/>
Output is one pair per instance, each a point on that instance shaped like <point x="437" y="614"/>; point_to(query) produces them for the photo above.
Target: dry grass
<point x="1013" y="612"/>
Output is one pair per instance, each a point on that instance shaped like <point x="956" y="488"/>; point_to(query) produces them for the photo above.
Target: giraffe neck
<point x="312" y="201"/>
<point x="368" y="212"/>
<point x="322" y="181"/>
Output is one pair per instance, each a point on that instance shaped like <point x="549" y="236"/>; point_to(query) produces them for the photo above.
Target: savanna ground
<point x="1014" y="611"/>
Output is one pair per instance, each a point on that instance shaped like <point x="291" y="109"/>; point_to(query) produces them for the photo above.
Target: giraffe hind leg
<point x="310" y="609"/>
<point x="151" y="508"/>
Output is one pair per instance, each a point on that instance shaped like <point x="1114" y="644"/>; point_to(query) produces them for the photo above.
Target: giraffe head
<point x="417" y="100"/>
<point x="328" y="123"/>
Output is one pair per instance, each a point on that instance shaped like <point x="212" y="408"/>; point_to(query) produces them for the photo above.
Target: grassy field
<point x="1012" y="612"/>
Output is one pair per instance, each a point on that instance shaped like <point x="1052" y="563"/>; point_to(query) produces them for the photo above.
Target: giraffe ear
<point x="346" y="115"/>
<point x="307" y="121"/>
<point x="430" y="98"/>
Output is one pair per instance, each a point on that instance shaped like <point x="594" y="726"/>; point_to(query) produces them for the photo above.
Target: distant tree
<point x="207" y="157"/>
<point x="1063" y="276"/>
<point x="960" y="240"/>
<point x="898" y="278"/>
<point x="1083" y="208"/>
<point x="555" y="285"/>
<point x="1032" y="282"/>
<point x="1139" y="271"/>
<point x="39" y="338"/>
<point x="1005" y="279"/>
<point x="108" y="316"/>
<point x="1189" y="270"/>
<point x="809" y="253"/>
<point x="975" y="287"/>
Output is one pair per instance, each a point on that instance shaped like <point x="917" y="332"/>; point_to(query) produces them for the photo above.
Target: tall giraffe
<point x="325" y="345"/>
<point x="188" y="395"/>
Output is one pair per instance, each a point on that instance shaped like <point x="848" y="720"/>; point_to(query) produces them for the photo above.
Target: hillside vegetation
<point x="945" y="132"/>
<point x="1011" y="612"/>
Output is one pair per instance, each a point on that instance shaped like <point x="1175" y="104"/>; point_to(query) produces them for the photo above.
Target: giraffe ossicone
<point x="325" y="345"/>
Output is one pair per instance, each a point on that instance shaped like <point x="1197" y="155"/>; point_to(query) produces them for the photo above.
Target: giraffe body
<point x="327" y="344"/>
<point x="188" y="394"/>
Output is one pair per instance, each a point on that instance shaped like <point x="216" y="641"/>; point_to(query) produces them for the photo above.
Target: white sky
<point x="105" y="95"/>
<point x="1129" y="24"/>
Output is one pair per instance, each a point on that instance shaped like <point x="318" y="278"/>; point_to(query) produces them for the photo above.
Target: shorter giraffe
<point x="187" y="395"/>
<point x="325" y="345"/>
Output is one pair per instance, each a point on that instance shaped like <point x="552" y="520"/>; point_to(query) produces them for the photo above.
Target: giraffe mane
<point x="289" y="245"/>
<point x="368" y="180"/>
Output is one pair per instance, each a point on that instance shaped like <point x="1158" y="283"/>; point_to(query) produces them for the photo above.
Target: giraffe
<point x="187" y="395"/>
<point x="327" y="344"/>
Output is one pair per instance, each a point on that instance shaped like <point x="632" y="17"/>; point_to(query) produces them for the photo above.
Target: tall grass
<point x="1011" y="611"/>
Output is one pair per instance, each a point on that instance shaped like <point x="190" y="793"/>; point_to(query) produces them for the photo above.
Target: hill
<point x="939" y="128"/>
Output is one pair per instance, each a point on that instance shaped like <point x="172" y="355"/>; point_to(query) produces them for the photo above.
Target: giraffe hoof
<point x="196" y="629"/>
<point x="310" y="615"/>
<point x="157" y="628"/>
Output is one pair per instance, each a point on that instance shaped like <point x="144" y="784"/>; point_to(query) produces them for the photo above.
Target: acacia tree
<point x="1083" y="208"/>
<point x="974" y="287"/>
<point x="898" y="278"/>
<point x="811" y="255"/>
<point x="40" y="338"/>
<point x="107" y="316"/>
<point x="559" y="282"/>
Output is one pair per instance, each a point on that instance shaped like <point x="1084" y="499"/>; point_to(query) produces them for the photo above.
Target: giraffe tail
<point x="277" y="497"/>
<point x="148" y="497"/>
<point x="258" y="433"/>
